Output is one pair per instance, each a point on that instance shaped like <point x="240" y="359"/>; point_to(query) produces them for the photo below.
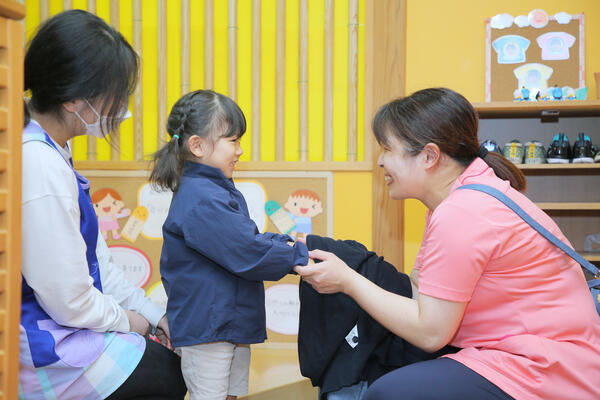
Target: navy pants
<point x="439" y="379"/>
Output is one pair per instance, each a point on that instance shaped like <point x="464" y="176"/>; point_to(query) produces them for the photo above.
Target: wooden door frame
<point x="385" y="70"/>
<point x="11" y="126"/>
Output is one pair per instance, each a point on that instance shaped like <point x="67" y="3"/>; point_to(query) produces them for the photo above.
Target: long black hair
<point x="76" y="55"/>
<point x="203" y="113"/>
<point x="443" y="117"/>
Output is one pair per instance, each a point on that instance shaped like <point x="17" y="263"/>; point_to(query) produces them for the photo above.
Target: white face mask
<point x="99" y="128"/>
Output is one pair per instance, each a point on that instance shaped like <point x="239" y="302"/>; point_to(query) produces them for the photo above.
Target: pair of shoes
<point x="583" y="151"/>
<point x="514" y="151"/>
<point x="559" y="151"/>
<point x="532" y="153"/>
<point x="535" y="153"/>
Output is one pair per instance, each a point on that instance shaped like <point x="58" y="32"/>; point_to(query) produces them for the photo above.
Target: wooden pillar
<point x="209" y="44"/>
<point x="138" y="100"/>
<point x="92" y="141"/>
<point x="328" y="81"/>
<point x="352" y="80"/>
<point x="11" y="128"/>
<point x="162" y="72"/>
<point x="385" y="55"/>
<point x="256" y="79"/>
<point x="185" y="46"/>
<point x="115" y="137"/>
<point x="232" y="36"/>
<point x="303" y="80"/>
<point x="280" y="82"/>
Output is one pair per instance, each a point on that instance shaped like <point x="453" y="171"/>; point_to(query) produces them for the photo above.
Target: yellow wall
<point x="446" y="47"/>
<point x="353" y="202"/>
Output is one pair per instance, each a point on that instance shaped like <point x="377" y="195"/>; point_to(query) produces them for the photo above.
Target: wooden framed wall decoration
<point x="536" y="51"/>
<point x="131" y="213"/>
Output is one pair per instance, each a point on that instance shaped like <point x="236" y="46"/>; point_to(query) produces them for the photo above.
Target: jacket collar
<point x="477" y="168"/>
<point x="195" y="169"/>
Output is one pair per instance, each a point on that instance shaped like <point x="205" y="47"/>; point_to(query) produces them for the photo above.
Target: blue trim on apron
<point x="41" y="341"/>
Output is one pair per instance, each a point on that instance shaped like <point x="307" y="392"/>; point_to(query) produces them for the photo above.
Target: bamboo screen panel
<point x="295" y="67"/>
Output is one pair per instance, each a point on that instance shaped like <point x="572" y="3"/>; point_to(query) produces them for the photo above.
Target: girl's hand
<point x="162" y="332"/>
<point x="331" y="275"/>
<point x="137" y="323"/>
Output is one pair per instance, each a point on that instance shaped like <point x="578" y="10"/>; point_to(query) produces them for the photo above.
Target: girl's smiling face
<point x="226" y="152"/>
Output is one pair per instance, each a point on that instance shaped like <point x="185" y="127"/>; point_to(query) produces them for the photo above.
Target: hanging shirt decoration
<point x="533" y="76"/>
<point x="511" y="49"/>
<point x="555" y="45"/>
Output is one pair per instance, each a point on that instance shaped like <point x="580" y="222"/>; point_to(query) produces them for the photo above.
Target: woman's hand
<point x="162" y="332"/>
<point x="331" y="275"/>
<point x="137" y="323"/>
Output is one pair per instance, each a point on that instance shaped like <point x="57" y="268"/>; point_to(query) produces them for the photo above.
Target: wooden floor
<point x="275" y="375"/>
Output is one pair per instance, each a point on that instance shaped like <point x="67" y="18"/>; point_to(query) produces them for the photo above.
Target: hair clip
<point x="176" y="137"/>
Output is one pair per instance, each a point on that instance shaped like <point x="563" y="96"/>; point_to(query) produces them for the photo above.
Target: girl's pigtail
<point x="168" y="165"/>
<point x="168" y="161"/>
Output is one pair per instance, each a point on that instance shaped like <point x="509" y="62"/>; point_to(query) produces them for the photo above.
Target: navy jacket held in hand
<point x="214" y="261"/>
<point x="325" y="320"/>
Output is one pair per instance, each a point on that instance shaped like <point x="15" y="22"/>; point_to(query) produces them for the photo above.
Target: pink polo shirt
<point x="530" y="325"/>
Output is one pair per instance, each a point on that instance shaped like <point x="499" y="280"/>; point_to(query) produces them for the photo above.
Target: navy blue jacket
<point x="214" y="261"/>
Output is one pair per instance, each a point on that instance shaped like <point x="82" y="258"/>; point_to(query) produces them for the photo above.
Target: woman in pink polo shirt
<point x="517" y="306"/>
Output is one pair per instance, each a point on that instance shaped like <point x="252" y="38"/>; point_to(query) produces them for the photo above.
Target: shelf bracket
<point x="549" y="115"/>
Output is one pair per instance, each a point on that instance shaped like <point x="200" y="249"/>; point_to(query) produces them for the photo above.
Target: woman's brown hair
<point x="443" y="117"/>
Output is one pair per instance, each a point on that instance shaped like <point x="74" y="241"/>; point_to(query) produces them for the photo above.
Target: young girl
<point x="213" y="258"/>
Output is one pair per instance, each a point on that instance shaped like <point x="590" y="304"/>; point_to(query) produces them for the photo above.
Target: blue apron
<point x="56" y="361"/>
<point x="42" y="342"/>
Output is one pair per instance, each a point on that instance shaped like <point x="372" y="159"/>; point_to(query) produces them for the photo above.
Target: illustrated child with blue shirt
<point x="303" y="205"/>
<point x="214" y="260"/>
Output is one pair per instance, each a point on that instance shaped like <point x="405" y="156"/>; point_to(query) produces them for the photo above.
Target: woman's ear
<point x="431" y="155"/>
<point x="72" y="106"/>
<point x="196" y="145"/>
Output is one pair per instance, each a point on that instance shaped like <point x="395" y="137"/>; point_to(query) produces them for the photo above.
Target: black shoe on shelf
<point x="559" y="151"/>
<point x="583" y="150"/>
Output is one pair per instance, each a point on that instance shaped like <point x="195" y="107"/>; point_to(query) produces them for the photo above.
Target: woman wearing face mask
<point x="82" y="324"/>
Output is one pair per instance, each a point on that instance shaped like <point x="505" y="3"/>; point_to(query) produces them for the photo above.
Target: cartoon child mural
<point x="109" y="207"/>
<point x="303" y="205"/>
